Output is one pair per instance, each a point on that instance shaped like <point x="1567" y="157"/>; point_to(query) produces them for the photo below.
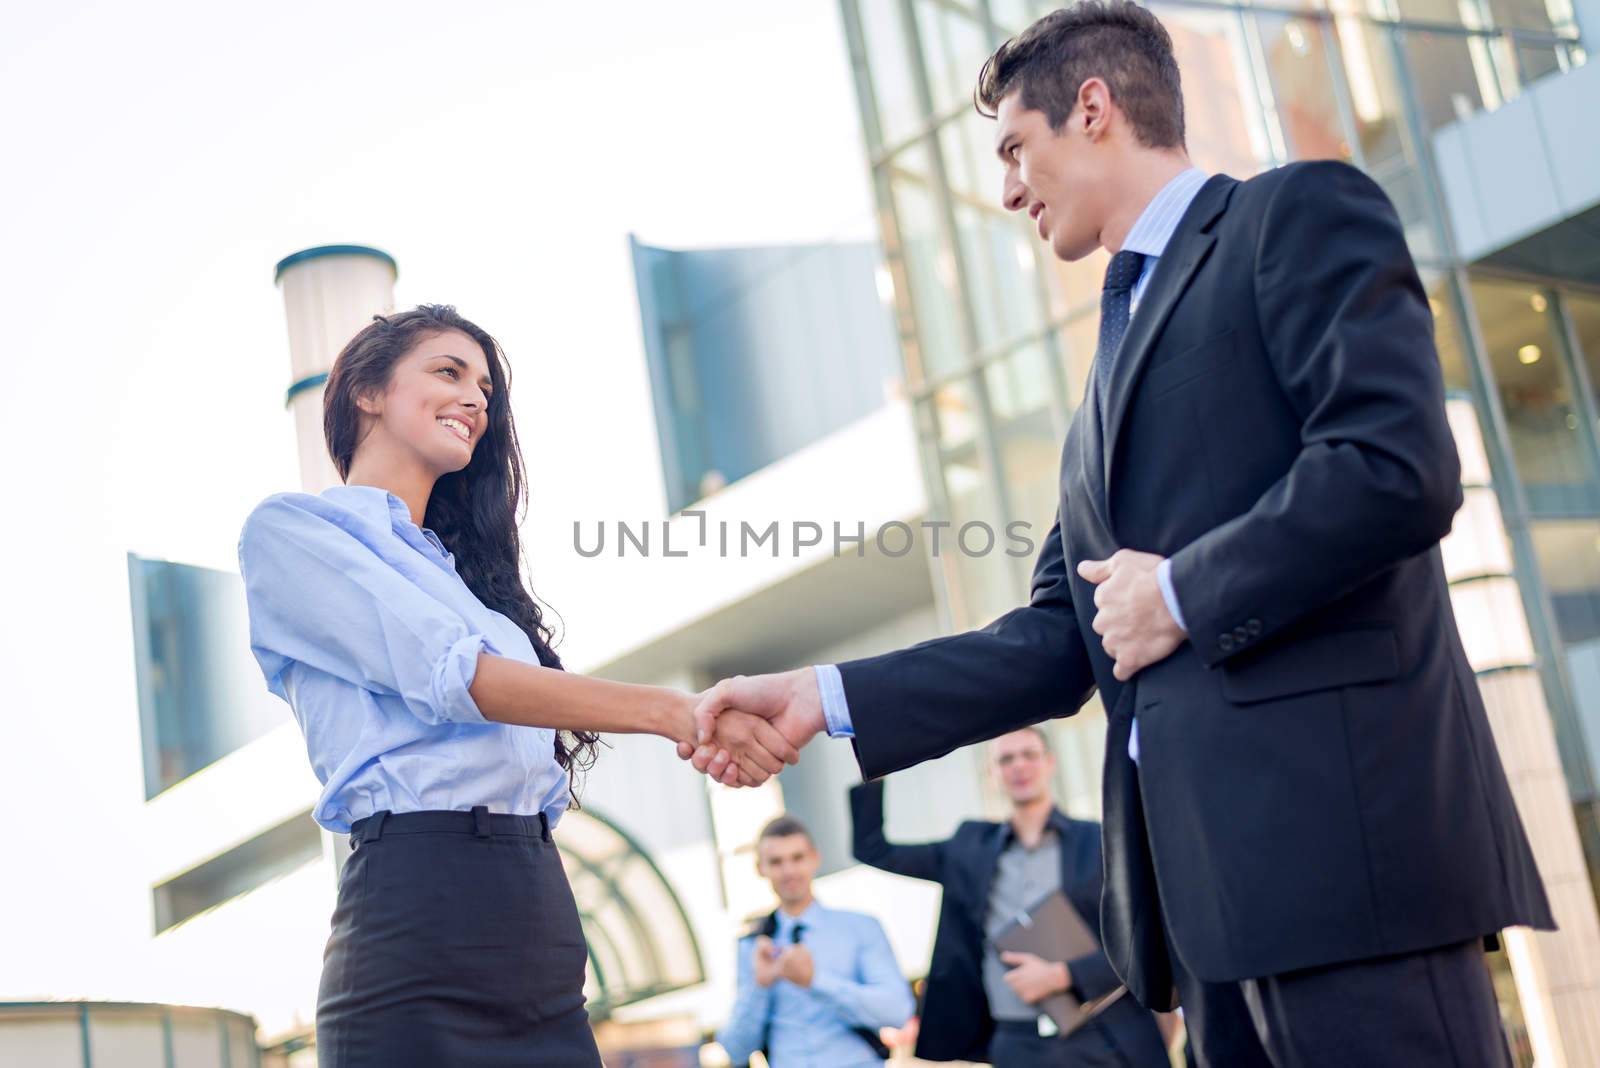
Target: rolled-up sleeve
<point x="320" y="596"/>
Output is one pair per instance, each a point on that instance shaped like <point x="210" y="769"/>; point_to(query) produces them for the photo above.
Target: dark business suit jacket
<point x="1317" y="781"/>
<point x="955" y="1021"/>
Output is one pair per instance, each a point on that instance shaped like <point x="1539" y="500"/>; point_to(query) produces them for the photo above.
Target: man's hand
<point x="1033" y="978"/>
<point x="795" y="965"/>
<point x="766" y="962"/>
<point x="1133" y="622"/>
<point x="789" y="703"/>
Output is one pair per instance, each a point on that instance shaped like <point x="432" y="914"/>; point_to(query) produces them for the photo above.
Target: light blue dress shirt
<point x="1150" y="235"/>
<point x="855" y="983"/>
<point x="360" y="622"/>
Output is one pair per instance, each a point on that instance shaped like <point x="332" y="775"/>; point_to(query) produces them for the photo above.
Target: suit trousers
<point x="1019" y="1045"/>
<point x="1416" y="1010"/>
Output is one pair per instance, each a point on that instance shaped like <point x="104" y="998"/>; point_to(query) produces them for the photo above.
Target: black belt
<point x="1018" y="1027"/>
<point x="480" y="823"/>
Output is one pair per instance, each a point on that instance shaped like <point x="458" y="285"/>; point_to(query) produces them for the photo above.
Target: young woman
<point x="390" y="613"/>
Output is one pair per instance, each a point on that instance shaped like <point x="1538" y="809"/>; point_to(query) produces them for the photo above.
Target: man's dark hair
<point x="1117" y="41"/>
<point x="783" y="827"/>
<point x="1038" y="731"/>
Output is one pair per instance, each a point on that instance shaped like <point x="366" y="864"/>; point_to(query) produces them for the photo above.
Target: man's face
<point x="789" y="863"/>
<point x="1060" y="178"/>
<point x="1023" y="768"/>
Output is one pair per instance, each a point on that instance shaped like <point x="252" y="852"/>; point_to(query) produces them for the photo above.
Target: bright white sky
<point x="160" y="158"/>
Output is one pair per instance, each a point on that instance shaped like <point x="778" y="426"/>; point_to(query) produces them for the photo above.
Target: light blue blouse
<point x="360" y="622"/>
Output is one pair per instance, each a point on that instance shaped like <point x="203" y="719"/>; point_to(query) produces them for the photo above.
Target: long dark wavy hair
<point x="474" y="511"/>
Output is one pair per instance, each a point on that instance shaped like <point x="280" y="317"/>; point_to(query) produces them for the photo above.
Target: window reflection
<point x="1525" y="355"/>
<point x="1078" y="341"/>
<point x="888" y="61"/>
<point x="930" y="268"/>
<point x="200" y="692"/>
<point x="954" y="47"/>
<point x="1569" y="559"/>
<point x="1029" y="441"/>
<point x="1453" y="76"/>
<point x="1583" y="311"/>
<point x="1224" y="135"/>
<point x="1542" y="16"/>
<point x="1303" y="87"/>
<point x="1446" y="332"/>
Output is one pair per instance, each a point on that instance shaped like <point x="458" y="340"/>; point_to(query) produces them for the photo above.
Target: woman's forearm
<point x="510" y="691"/>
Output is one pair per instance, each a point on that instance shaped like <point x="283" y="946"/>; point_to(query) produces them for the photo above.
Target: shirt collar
<point x="1159" y="221"/>
<point x="809" y="917"/>
<point x="374" y="502"/>
<point x="1058" y="822"/>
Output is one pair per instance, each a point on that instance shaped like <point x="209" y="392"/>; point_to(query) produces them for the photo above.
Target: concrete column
<point x="1557" y="973"/>
<point x="329" y="293"/>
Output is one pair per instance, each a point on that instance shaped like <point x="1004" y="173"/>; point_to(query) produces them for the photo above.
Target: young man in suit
<point x="815" y="984"/>
<point x="1308" y="831"/>
<point x="981" y="1003"/>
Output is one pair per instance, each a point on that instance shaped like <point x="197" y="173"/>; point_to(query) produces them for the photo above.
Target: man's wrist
<point x="834" y="710"/>
<point x="1169" y="594"/>
<point x="1064" y="977"/>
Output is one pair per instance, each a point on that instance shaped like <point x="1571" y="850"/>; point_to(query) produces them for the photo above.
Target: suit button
<point x="1225" y="642"/>
<point x="1254" y="627"/>
<point x="1240" y="635"/>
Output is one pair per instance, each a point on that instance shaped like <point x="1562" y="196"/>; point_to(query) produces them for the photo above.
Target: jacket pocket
<point x="1312" y="663"/>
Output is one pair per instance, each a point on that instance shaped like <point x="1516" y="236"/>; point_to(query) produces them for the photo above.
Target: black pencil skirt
<point x="455" y="942"/>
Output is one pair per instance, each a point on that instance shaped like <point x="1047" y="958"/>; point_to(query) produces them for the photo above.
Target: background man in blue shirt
<point x="811" y="979"/>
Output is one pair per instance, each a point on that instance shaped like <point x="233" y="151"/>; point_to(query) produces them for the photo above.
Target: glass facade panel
<point x="1569" y="559"/>
<point x="930" y="270"/>
<point x="894" y="86"/>
<point x="1074" y="287"/>
<point x="1005" y="299"/>
<point x="1374" y="96"/>
<point x="1078" y="340"/>
<point x="1452" y="75"/>
<point x="954" y="46"/>
<point x="200" y="690"/>
<point x="1029" y="442"/>
<point x="1224" y="127"/>
<point x="1447" y="332"/>
<point x="1583" y="311"/>
<point x="1546" y="437"/>
<point x="1541" y="16"/>
<point x="1297" y="52"/>
<point x="1458" y="12"/>
<point x="1535" y="61"/>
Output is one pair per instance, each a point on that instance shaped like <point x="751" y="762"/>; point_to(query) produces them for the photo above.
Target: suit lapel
<point x="992" y="848"/>
<point x="1190" y="245"/>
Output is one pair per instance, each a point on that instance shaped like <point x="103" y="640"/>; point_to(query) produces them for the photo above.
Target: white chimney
<point x="329" y="293"/>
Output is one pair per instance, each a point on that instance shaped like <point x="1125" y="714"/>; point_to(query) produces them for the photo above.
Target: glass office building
<point x="997" y="338"/>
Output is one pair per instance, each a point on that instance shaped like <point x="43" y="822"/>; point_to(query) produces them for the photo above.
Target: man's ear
<point x="1094" y="104"/>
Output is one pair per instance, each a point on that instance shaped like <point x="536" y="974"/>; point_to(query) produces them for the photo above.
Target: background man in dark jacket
<point x="980" y="1003"/>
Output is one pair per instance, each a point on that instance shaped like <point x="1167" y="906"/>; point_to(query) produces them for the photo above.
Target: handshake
<point x="746" y="728"/>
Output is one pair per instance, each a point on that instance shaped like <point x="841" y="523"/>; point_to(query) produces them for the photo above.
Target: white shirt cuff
<point x="1170" y="595"/>
<point x="835" y="710"/>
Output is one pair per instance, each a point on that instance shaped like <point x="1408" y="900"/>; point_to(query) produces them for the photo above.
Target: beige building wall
<point x="1557" y="972"/>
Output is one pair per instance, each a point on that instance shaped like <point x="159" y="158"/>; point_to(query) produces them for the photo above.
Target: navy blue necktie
<point x="1116" y="300"/>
